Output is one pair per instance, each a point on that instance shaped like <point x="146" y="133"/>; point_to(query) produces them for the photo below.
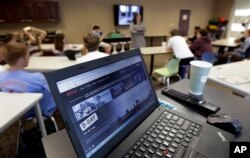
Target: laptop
<point x="110" y="109"/>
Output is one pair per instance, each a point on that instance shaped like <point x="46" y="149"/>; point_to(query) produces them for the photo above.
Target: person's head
<point x="13" y="37"/>
<point x="174" y="32"/>
<point x="59" y="41"/>
<point x="247" y="33"/>
<point x="202" y="33"/>
<point x="196" y="29"/>
<point x="16" y="54"/>
<point x="137" y="18"/>
<point x="91" y="42"/>
<point x="96" y="27"/>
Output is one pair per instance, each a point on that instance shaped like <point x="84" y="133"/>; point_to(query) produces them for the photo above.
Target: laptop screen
<point x="103" y="101"/>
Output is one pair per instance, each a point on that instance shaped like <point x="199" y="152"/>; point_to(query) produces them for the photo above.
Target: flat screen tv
<point x="123" y="14"/>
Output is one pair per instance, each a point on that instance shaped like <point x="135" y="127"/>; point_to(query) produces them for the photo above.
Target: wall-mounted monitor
<point x="123" y="14"/>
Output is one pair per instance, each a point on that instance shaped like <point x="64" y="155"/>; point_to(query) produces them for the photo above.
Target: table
<point x="50" y="47"/>
<point x="48" y="63"/>
<point x="226" y="42"/>
<point x="232" y="71"/>
<point x="153" y="51"/>
<point x="15" y="105"/>
<point x="56" y="147"/>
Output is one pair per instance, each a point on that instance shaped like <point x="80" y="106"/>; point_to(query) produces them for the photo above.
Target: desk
<point x="227" y="42"/>
<point x="15" y="105"/>
<point x="47" y="64"/>
<point x="55" y="145"/>
<point x="50" y="47"/>
<point x="153" y="51"/>
<point x="232" y="69"/>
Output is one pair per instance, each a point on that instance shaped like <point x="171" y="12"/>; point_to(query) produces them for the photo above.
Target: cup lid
<point x="200" y="63"/>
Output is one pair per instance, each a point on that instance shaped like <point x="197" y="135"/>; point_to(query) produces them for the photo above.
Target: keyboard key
<point x="177" y="127"/>
<point x="180" y="121"/>
<point x="159" y="153"/>
<point x="187" y="139"/>
<point x="127" y="156"/>
<point x="160" y="127"/>
<point x="145" y="136"/>
<point x="147" y="143"/>
<point x="190" y="131"/>
<point x="180" y="151"/>
<point x="161" y="136"/>
<point x="135" y="147"/>
<point x="189" y="135"/>
<point x="175" y="117"/>
<point x="185" y="125"/>
<point x="171" y="149"/>
<point x="139" y="153"/>
<point x="163" y="147"/>
<point x="150" y="139"/>
<point x="179" y="135"/>
<point x="175" y="145"/>
<point x="169" y="116"/>
<point x="185" y="144"/>
<point x="148" y="132"/>
<point x="169" y="139"/>
<point x="182" y="132"/>
<point x="165" y="112"/>
<point x="192" y="127"/>
<point x="169" y="155"/>
<point x="170" y="125"/>
<point x="177" y="140"/>
<point x="147" y="155"/>
<point x="165" y="120"/>
<point x="166" y="143"/>
<point x="151" y="150"/>
<point x="198" y="126"/>
<point x="142" y="139"/>
<point x="158" y="140"/>
<point x="157" y="131"/>
<point x="143" y="148"/>
<point x="131" y="151"/>
<point x="163" y="124"/>
<point x="154" y="134"/>
<point x="155" y="145"/>
<point x="196" y="129"/>
<point x="174" y="131"/>
<point x="172" y="121"/>
<point x="171" y="134"/>
<point x="164" y="132"/>
<point x="138" y="143"/>
<point x="167" y="128"/>
<point x="195" y="133"/>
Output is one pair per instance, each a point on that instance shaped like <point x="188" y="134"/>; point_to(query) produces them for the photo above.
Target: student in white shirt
<point x="91" y="43"/>
<point x="179" y="46"/>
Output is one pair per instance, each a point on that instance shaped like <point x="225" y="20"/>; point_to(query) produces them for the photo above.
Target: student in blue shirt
<point x="15" y="79"/>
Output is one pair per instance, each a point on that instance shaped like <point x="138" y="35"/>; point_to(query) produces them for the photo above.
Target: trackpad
<point x="195" y="154"/>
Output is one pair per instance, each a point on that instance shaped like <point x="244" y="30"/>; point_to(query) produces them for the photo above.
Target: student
<point x="196" y="30"/>
<point x="91" y="43"/>
<point x="15" y="79"/>
<point x="179" y="46"/>
<point x="137" y="30"/>
<point x="244" y="50"/>
<point x="60" y="44"/>
<point x="202" y="44"/>
<point x="97" y="31"/>
<point x="34" y="37"/>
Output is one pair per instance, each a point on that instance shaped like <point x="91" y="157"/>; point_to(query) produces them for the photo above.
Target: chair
<point x="171" y="69"/>
<point x="209" y="57"/>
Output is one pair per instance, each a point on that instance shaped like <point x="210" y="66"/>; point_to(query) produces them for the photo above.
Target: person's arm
<point x="42" y="33"/>
<point x="27" y="32"/>
<point x="195" y="45"/>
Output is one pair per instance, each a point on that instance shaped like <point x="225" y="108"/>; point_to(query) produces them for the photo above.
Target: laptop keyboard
<point x="169" y="136"/>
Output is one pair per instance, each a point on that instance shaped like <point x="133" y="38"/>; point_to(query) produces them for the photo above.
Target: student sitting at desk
<point x="202" y="44"/>
<point x="91" y="43"/>
<point x="15" y="79"/>
<point x="60" y="44"/>
<point x="244" y="50"/>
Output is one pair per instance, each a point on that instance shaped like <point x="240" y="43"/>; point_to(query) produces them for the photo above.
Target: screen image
<point x="104" y="101"/>
<point x="124" y="14"/>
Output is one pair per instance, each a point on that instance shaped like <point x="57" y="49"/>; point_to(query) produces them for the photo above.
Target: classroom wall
<point x="160" y="16"/>
<point x="223" y="8"/>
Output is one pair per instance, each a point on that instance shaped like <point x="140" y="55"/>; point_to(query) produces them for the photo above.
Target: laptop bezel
<point x="58" y="75"/>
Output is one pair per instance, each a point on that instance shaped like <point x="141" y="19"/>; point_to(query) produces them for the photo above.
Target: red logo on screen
<point x="72" y="92"/>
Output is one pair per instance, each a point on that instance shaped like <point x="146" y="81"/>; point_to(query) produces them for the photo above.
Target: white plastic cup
<point x="164" y="44"/>
<point x="198" y="76"/>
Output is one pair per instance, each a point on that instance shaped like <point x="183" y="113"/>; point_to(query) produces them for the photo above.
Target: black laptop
<point x="110" y="109"/>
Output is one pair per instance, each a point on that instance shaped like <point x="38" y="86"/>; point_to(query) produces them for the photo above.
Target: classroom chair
<point x="209" y="57"/>
<point x="171" y="69"/>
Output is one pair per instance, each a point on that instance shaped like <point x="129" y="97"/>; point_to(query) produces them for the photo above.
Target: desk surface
<point x="232" y="71"/>
<point x="228" y="42"/>
<point x="154" y="50"/>
<point x="46" y="64"/>
<point x="229" y="104"/>
<point x="14" y="105"/>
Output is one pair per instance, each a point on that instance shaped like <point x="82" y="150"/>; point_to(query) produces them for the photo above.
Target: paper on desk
<point x="234" y="79"/>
